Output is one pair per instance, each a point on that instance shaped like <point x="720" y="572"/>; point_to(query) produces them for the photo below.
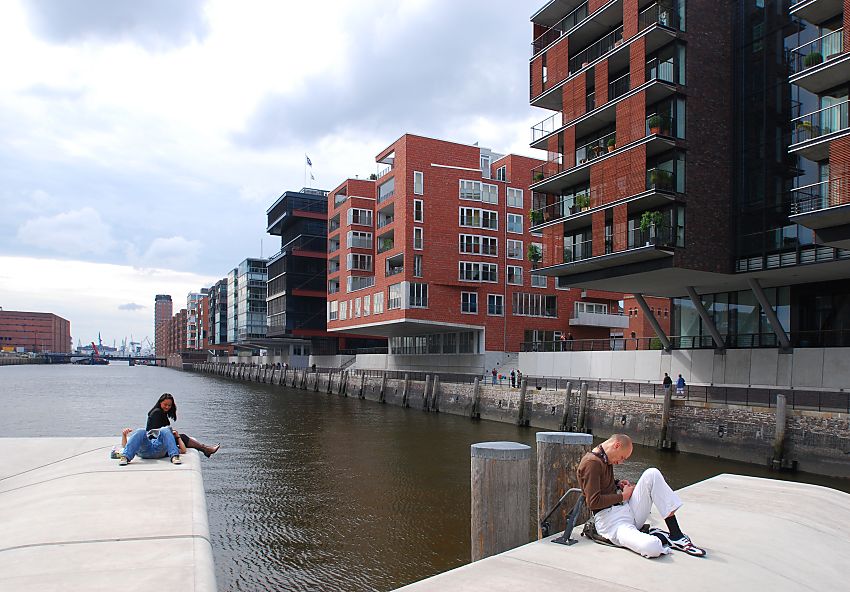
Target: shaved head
<point x="618" y="448"/>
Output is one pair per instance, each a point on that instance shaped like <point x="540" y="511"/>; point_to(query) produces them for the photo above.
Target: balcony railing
<point x="658" y="70"/>
<point x="578" y="251"/>
<point x="385" y="220"/>
<point x="816" y="52"/>
<point x="339" y="199"/>
<point x="660" y="124"/>
<point x="661" y="235"/>
<point x="561" y="27"/>
<point x="394" y="270"/>
<point x="333" y="247"/>
<point x="596" y="148"/>
<point x="618" y="87"/>
<point x="567" y="206"/>
<point x="547" y="126"/>
<point x="385" y="244"/>
<point x="333" y="225"/>
<point x="302" y="242"/>
<point x="382" y="197"/>
<point x="660" y="180"/>
<point x="290" y="204"/>
<point x="817" y="196"/>
<point x="820" y="123"/>
<point x="658" y="13"/>
<point x="596" y="50"/>
<point x="590" y="102"/>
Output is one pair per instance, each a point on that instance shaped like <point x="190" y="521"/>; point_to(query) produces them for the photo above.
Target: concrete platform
<point x="760" y="534"/>
<point x="72" y="519"/>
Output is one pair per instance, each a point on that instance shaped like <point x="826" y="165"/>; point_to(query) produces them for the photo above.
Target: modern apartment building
<point x="246" y="301"/>
<point x="41" y="332"/>
<point x="163" y="309"/>
<point x="436" y="254"/>
<point x="194" y="318"/>
<point x="217" y="314"/>
<point x="669" y="171"/>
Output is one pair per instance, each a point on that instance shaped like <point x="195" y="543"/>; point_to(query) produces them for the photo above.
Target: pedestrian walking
<point x="493" y="373"/>
<point x="513" y="378"/>
<point x="680" y="387"/>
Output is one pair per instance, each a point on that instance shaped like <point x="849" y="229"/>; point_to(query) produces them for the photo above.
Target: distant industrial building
<point x="39" y="332"/>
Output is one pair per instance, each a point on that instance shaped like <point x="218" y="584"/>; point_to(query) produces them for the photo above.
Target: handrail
<point x="559" y="29"/>
<point x="596" y="49"/>
<point x="619" y="86"/>
<point x="817" y="51"/>
<point x="821" y="122"/>
<point x="818" y="196"/>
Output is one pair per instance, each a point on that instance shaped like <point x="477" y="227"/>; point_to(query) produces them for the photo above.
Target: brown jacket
<point x="596" y="479"/>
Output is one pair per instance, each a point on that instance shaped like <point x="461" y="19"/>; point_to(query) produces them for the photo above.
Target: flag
<point x="309" y="162"/>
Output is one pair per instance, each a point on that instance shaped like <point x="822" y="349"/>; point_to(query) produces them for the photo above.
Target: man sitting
<point x="151" y="444"/>
<point x="620" y="508"/>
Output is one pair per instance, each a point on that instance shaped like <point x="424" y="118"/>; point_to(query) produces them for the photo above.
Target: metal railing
<point x="385" y="244"/>
<point x="817" y="196"/>
<point x="661" y="124"/>
<point x="596" y="50"/>
<point x="385" y="220"/>
<point x="596" y="148"/>
<point x="618" y="87"/>
<point x="557" y="30"/>
<point x="658" y="70"/>
<point x="816" y="52"/>
<point x="660" y="179"/>
<point x="391" y="271"/>
<point x="821" y="122"/>
<point x="382" y="197"/>
<point x="547" y="126"/>
<point x="420" y="376"/>
<point x="289" y="205"/>
<point x="658" y="13"/>
<point x="578" y="251"/>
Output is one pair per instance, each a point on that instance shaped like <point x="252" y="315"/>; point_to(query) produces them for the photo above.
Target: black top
<point x="157" y="419"/>
<point x="668" y="381"/>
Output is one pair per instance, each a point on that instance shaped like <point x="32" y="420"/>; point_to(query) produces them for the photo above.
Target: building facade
<point x="436" y="254"/>
<point x="246" y="301"/>
<point x="163" y="311"/>
<point x="195" y="315"/>
<point x="683" y="159"/>
<point x="39" y="332"/>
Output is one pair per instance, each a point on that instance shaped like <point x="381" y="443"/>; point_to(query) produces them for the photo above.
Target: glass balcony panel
<point x="819" y="123"/>
<point x="596" y="148"/>
<point x="564" y="25"/>
<point x="816" y="52"/>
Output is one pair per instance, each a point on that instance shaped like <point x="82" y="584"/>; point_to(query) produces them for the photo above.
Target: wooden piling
<point x="382" y="398"/>
<point x="475" y="412"/>
<point x="779" y="433"/>
<point x="558" y="455"/>
<point x="521" y="419"/>
<point x="565" y="416"/>
<point x="582" y="408"/>
<point x="501" y="472"/>
<point x="405" y="390"/>
<point x="425" y="394"/>
<point x="361" y="393"/>
<point x="664" y="439"/>
<point x="435" y="394"/>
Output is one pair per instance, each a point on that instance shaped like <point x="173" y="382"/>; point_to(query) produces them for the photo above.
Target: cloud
<point x="131" y="306"/>
<point x="437" y="68"/>
<point x="77" y="232"/>
<point x="154" y="24"/>
<point x="174" y="252"/>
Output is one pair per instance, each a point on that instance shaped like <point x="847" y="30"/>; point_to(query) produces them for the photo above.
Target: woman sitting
<point x="158" y="418"/>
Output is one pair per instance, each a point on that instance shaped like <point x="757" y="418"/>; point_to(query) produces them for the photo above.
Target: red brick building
<point x="163" y="310"/>
<point x="34" y="332"/>
<point x="436" y="254"/>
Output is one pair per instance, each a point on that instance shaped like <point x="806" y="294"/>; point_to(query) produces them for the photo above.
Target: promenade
<point x="760" y="534"/>
<point x="72" y="519"/>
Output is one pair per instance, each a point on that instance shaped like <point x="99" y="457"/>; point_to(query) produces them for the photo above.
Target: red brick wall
<point x="35" y="332"/>
<point x="639" y="323"/>
<point x="594" y="5"/>
<point x="601" y="77"/>
<point x="536" y="75"/>
<point x="557" y="62"/>
<point x="630" y="19"/>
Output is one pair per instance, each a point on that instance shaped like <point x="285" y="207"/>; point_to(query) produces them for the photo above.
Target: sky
<point x="142" y="142"/>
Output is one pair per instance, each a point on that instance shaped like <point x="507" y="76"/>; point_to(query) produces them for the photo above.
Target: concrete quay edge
<point x="71" y="518"/>
<point x="760" y="534"/>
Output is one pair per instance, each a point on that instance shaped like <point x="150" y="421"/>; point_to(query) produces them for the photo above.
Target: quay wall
<point x="815" y="441"/>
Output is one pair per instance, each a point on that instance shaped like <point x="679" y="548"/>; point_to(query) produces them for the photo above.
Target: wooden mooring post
<point x="558" y="455"/>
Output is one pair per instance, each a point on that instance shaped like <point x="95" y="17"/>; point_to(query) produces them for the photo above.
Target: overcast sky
<point x="142" y="142"/>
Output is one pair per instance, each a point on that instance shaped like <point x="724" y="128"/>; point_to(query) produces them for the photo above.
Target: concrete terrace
<point x="760" y="534"/>
<point x="72" y="519"/>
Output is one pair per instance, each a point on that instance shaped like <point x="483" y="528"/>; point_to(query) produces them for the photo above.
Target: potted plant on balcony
<point x="661" y="179"/>
<point x="535" y="254"/>
<point x="582" y="202"/>
<point x="538" y="176"/>
<point x="812" y="59"/>
<point x="386" y="244"/>
<point x="804" y="131"/>
<point x="535" y="217"/>
<point x="654" y="124"/>
<point x="651" y="220"/>
<point x="612" y="144"/>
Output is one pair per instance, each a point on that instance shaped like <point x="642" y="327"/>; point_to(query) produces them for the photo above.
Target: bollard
<point x="361" y="394"/>
<point x="330" y="382"/>
<point x="475" y="413"/>
<point x="316" y="377"/>
<point x="779" y="433"/>
<point x="345" y="384"/>
<point x="404" y="391"/>
<point x="435" y="394"/>
<point x="425" y="401"/>
<point x="521" y="419"/>
<point x="558" y="455"/>
<point x="582" y="408"/>
<point x="664" y="440"/>
<point x="501" y="472"/>
<point x="382" y="398"/>
<point x="565" y="417"/>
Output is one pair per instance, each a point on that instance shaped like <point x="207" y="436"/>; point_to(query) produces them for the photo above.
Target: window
<point x="489" y="246"/>
<point x="593" y="307"/>
<point x="394" y="300"/>
<point x="472" y="271"/>
<point x="418" y="211"/>
<point x="356" y="308"/>
<point x="418" y="183"/>
<point x="470" y="190"/>
<point x="333" y="310"/>
<point x="367" y="303"/>
<point x="360" y="216"/>
<point x="515" y="223"/>
<point x="417" y="238"/>
<point x="485" y="165"/>
<point x="378" y="302"/>
<point x="478" y="245"/>
<point x="418" y="295"/>
<point x="538" y="281"/>
<point x="359" y="262"/>
<point x="417" y="266"/>
<point x="490" y="219"/>
<point x="502" y="173"/>
<point x="534" y="305"/>
<point x="514" y="197"/>
<point x="514" y="249"/>
<point x="359" y="240"/>
<point x="343" y="310"/>
<point x="470" y="217"/>
<point x="359" y="282"/>
<point x="466" y="343"/>
<point x="489" y="193"/>
<point x="469" y="302"/>
<point x="333" y="286"/>
<point x="495" y="305"/>
<point x="515" y="275"/>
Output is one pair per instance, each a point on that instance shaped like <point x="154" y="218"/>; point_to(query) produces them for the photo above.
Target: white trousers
<point x="621" y="524"/>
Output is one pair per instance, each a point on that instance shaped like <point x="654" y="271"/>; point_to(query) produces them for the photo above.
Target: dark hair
<point x="173" y="412"/>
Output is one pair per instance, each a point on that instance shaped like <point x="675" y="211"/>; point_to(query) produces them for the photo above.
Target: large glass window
<point x="418" y="295"/>
<point x="394" y="300"/>
<point x="515" y="223"/>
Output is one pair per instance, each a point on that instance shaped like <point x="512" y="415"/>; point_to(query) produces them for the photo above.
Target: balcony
<point x="333" y="246"/>
<point x="595" y="319"/>
<point x="553" y="176"/>
<point x="386" y="243"/>
<point x="559" y="29"/>
<point x="553" y="11"/>
<point x="812" y="132"/>
<point x="821" y="64"/>
<point x="386" y="215"/>
<point x="596" y="50"/>
<point x="825" y="208"/>
<point x="816" y="11"/>
<point x="660" y="84"/>
<point x="394" y="265"/>
<point x="304" y="245"/>
<point x="289" y="207"/>
<point x="641" y="246"/>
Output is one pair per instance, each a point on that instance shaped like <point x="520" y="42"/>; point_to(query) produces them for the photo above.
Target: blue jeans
<point x="139" y="443"/>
